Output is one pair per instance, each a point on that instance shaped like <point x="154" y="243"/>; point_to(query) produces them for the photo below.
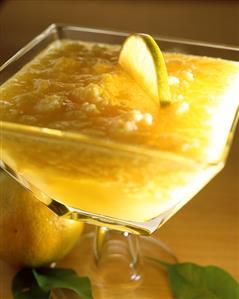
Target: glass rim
<point x="166" y="38"/>
<point x="54" y="26"/>
<point x="99" y="141"/>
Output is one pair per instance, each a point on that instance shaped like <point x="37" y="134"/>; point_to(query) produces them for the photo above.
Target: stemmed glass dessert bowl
<point x="125" y="184"/>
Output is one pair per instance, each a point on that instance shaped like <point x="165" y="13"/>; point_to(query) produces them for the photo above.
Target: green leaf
<point x="53" y="278"/>
<point x="191" y="281"/>
<point x="64" y="294"/>
<point x="25" y="286"/>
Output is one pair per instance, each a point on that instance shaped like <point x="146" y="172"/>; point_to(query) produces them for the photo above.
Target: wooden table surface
<point x="206" y="230"/>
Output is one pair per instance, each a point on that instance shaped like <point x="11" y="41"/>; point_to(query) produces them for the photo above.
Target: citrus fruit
<point x="31" y="235"/>
<point x="141" y="58"/>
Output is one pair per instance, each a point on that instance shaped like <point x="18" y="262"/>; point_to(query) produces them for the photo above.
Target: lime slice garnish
<point x="142" y="59"/>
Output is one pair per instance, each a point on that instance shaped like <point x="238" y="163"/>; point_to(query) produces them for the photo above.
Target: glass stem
<point x="116" y="256"/>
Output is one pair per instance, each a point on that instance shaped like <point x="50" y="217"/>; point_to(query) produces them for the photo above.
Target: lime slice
<point x="142" y="59"/>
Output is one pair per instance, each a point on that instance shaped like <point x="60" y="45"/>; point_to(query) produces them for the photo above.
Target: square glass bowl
<point x="29" y="144"/>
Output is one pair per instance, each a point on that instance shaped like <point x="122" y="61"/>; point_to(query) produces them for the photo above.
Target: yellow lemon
<point x="30" y="234"/>
<point x="142" y="59"/>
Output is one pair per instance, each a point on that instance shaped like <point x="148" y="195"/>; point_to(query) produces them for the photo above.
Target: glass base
<point x="114" y="277"/>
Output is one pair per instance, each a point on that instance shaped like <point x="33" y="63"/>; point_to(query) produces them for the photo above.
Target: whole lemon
<point x="31" y="235"/>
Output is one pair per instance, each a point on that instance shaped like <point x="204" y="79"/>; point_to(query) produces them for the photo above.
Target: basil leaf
<point x="53" y="278"/>
<point x="25" y="286"/>
<point x="191" y="281"/>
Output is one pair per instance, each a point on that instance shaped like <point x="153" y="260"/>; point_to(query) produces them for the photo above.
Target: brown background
<point x="213" y="21"/>
<point x="206" y="230"/>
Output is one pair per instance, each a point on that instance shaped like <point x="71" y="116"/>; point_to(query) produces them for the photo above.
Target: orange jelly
<point x="105" y="146"/>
